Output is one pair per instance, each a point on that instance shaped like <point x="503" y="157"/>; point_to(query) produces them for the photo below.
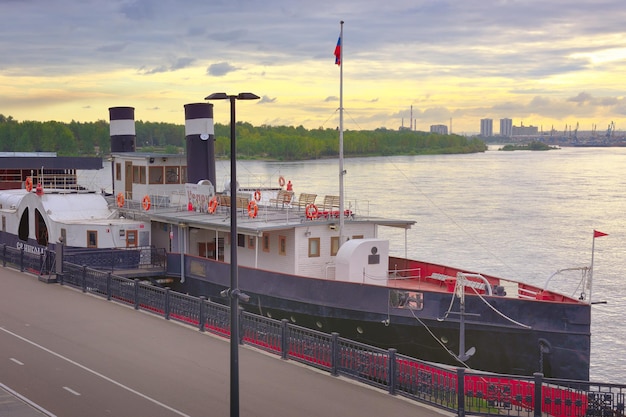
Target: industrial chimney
<point x="200" y="138"/>
<point x="122" y="129"/>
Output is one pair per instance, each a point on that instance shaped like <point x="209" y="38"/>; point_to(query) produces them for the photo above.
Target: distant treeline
<point x="262" y="142"/>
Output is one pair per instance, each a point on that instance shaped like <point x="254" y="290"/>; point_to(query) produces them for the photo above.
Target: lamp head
<point x="247" y="96"/>
<point x="217" y="96"/>
<point x="224" y="96"/>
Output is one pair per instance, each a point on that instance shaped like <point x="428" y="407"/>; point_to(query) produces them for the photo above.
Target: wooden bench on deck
<point x="282" y="198"/>
<point x="242" y="202"/>
<point x="305" y="199"/>
<point x="330" y="207"/>
<point x="330" y="202"/>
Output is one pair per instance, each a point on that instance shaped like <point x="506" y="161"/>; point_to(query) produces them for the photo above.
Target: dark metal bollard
<point x="167" y="303"/>
<point x="109" y="279"/>
<point x="240" y="326"/>
<point x="202" y="313"/>
<point x="136" y="294"/>
<point x="460" y="391"/>
<point x="84" y="279"/>
<point x="334" y="354"/>
<point x="284" y="339"/>
<point x="538" y="385"/>
<point x="392" y="378"/>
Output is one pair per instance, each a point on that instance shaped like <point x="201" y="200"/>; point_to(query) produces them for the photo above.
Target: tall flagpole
<point x="590" y="281"/>
<point x="342" y="172"/>
<point x="596" y="234"/>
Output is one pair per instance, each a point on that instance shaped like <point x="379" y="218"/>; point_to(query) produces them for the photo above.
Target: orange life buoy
<point x="257" y="195"/>
<point x="213" y="205"/>
<point x="253" y="209"/>
<point x="146" y="203"/>
<point x="281" y="181"/>
<point x="311" y="211"/>
<point x="120" y="200"/>
<point x="28" y="184"/>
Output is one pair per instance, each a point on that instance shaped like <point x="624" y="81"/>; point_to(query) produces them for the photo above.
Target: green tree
<point x="273" y="142"/>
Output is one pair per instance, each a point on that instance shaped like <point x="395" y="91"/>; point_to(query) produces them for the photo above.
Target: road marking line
<point x="71" y="391"/>
<point x="16" y="361"/>
<point x="96" y="373"/>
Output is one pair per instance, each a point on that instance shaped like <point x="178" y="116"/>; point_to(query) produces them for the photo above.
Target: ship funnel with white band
<point x="122" y="129"/>
<point x="200" y="138"/>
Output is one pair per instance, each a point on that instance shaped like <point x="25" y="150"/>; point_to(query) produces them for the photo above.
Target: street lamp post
<point x="234" y="293"/>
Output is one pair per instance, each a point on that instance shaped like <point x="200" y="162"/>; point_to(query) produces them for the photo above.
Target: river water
<point x="522" y="215"/>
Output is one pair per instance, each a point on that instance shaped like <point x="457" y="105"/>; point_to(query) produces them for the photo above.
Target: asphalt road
<point x="75" y="354"/>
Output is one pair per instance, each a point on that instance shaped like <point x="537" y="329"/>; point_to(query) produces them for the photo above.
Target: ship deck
<point x="269" y="216"/>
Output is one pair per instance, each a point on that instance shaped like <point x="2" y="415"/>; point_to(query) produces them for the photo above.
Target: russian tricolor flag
<point x="338" y="52"/>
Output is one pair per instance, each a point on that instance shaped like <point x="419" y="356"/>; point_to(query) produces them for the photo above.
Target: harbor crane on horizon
<point x="610" y="130"/>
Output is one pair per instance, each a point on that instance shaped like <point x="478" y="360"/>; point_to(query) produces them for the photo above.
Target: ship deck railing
<point x="67" y="181"/>
<point x="527" y="293"/>
<point x="403" y="274"/>
<point x="267" y="207"/>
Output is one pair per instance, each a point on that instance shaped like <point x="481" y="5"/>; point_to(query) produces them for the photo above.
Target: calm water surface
<point x="521" y="214"/>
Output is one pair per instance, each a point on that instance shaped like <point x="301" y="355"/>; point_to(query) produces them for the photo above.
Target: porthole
<point x="293" y="319"/>
<point x="318" y="324"/>
<point x="359" y="329"/>
<point x="269" y="314"/>
<point x="444" y="339"/>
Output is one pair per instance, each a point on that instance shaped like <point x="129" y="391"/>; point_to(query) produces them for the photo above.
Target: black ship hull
<point x="524" y="337"/>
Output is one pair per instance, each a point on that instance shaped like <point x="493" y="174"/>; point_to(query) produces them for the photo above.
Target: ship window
<point x="251" y="240"/>
<point x="41" y="230"/>
<point x="172" y="175"/>
<point x="144" y="238"/>
<point x="282" y="245"/>
<point x="334" y="245"/>
<point x="183" y="175"/>
<point x="155" y="175"/>
<point x="139" y="175"/>
<point x="4" y="223"/>
<point x="92" y="239"/>
<point x="241" y="240"/>
<point x="266" y="242"/>
<point x="314" y="247"/>
<point x="357" y="237"/>
<point x="118" y="171"/>
<point x="24" y="228"/>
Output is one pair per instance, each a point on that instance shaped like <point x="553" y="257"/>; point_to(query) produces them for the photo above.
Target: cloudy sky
<point x="547" y="63"/>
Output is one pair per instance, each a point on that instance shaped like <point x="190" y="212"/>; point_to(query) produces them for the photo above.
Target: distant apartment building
<point x="441" y="129"/>
<point x="506" y="127"/>
<point x="486" y="128"/>
<point x="525" y="131"/>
